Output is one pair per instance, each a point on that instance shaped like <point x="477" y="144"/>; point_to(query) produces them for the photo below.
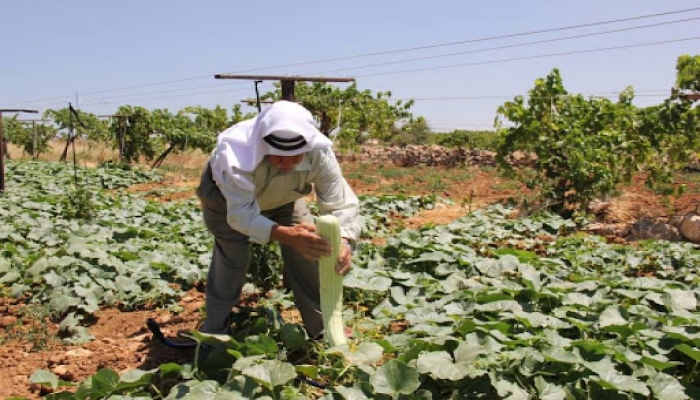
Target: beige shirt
<point x="266" y="188"/>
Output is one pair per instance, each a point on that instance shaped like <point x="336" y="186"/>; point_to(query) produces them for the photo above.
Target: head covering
<point x="283" y="129"/>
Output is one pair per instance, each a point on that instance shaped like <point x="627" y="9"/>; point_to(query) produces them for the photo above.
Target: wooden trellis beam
<point x="286" y="81"/>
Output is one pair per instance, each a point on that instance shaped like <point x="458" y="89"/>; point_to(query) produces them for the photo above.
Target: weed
<point x="31" y="325"/>
<point x="78" y="203"/>
<point x="394" y="172"/>
<point x="507" y="185"/>
<point x="436" y="185"/>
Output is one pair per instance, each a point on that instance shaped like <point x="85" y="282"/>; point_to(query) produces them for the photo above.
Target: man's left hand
<point x="345" y="258"/>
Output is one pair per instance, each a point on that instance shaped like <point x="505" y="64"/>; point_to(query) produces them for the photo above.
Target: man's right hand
<point x="303" y="239"/>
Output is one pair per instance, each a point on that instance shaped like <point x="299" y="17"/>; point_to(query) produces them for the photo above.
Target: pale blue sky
<point x="88" y="51"/>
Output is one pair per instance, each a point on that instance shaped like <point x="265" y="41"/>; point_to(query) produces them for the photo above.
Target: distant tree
<point x="673" y="127"/>
<point x="136" y="126"/>
<point x="585" y="147"/>
<point x="418" y="130"/>
<point x="83" y="124"/>
<point x="467" y="139"/>
<point x="688" y="73"/>
<point x="193" y="128"/>
<point x="354" y="115"/>
<point x="77" y="124"/>
<point x="581" y="144"/>
<point x="32" y="138"/>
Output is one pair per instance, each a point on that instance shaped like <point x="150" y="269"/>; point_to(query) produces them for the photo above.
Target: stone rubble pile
<point x="430" y="155"/>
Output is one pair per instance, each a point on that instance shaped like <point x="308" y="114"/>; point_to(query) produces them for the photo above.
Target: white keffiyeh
<point x="243" y="146"/>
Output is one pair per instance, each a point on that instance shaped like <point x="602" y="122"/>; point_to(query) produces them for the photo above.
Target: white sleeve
<point x="242" y="209"/>
<point x="335" y="195"/>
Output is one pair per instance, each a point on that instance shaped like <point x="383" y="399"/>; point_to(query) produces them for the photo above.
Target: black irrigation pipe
<point x="158" y="334"/>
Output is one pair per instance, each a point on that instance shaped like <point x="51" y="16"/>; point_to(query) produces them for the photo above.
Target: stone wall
<point x="415" y="155"/>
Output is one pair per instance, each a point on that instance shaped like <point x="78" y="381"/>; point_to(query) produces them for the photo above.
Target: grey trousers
<point x="230" y="261"/>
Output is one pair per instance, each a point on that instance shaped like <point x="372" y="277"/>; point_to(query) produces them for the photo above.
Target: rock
<point x="598" y="206"/>
<point x="7" y="321"/>
<point x="65" y="372"/>
<point x="620" y="229"/>
<point x="78" y="353"/>
<point x="690" y="228"/>
<point x="648" y="228"/>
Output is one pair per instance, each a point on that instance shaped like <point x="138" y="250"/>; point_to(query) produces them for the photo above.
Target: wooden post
<point x="288" y="90"/>
<point x="35" y="154"/>
<point x="121" y="128"/>
<point x="2" y="145"/>
<point x="121" y="132"/>
<point x="2" y="155"/>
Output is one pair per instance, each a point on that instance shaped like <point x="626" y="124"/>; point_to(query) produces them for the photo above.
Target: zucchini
<point x="331" y="282"/>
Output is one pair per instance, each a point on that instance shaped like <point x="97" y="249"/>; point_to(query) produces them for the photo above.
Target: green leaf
<point x="105" y="381"/>
<point x="659" y="364"/>
<point x="560" y="354"/>
<point x="271" y="373"/>
<point x="689" y="351"/>
<point x="366" y="353"/>
<point x="394" y="378"/>
<point x="666" y="387"/>
<point x="351" y="393"/>
<point x="612" y="316"/>
<point x="10" y="277"/>
<point x="548" y="391"/>
<point x="440" y="365"/>
<point x="293" y="337"/>
<point x="261" y="344"/>
<point x="509" y="390"/>
<point x="44" y="377"/>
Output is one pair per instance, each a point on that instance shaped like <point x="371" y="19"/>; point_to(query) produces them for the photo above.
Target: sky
<point x="458" y="59"/>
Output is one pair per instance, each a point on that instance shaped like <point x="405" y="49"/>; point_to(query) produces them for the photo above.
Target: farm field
<point x="451" y="293"/>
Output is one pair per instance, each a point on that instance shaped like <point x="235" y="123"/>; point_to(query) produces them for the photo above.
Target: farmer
<point x="252" y="190"/>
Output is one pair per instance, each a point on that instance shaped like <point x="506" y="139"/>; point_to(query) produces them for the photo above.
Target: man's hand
<point x="345" y="258"/>
<point x="303" y="239"/>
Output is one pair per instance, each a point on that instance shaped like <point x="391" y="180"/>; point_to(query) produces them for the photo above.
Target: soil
<point x="123" y="341"/>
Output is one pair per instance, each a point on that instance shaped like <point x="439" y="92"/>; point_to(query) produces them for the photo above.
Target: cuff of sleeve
<point x="260" y="229"/>
<point x="349" y="234"/>
<point x="349" y="242"/>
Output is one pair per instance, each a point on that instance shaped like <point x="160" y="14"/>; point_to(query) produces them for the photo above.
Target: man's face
<point x="285" y="163"/>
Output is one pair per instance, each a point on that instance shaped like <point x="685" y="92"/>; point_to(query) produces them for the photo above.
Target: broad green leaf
<point x="693" y="353"/>
<point x="562" y="355"/>
<point x="293" y="337"/>
<point x="500" y="306"/>
<point x="441" y="365"/>
<point x="366" y="353"/>
<point x="508" y="390"/>
<point x="540" y="320"/>
<point x="105" y="381"/>
<point x="271" y="373"/>
<point x="549" y="391"/>
<point x="611" y="379"/>
<point x="666" y="387"/>
<point x="44" y="377"/>
<point x="351" y="393"/>
<point x="9" y="277"/>
<point x="612" y="316"/>
<point x="394" y="378"/>
<point x="577" y="299"/>
<point x="660" y="365"/>
<point x="680" y="300"/>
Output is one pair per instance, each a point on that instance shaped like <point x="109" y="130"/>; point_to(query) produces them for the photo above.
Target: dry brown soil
<point x="122" y="340"/>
